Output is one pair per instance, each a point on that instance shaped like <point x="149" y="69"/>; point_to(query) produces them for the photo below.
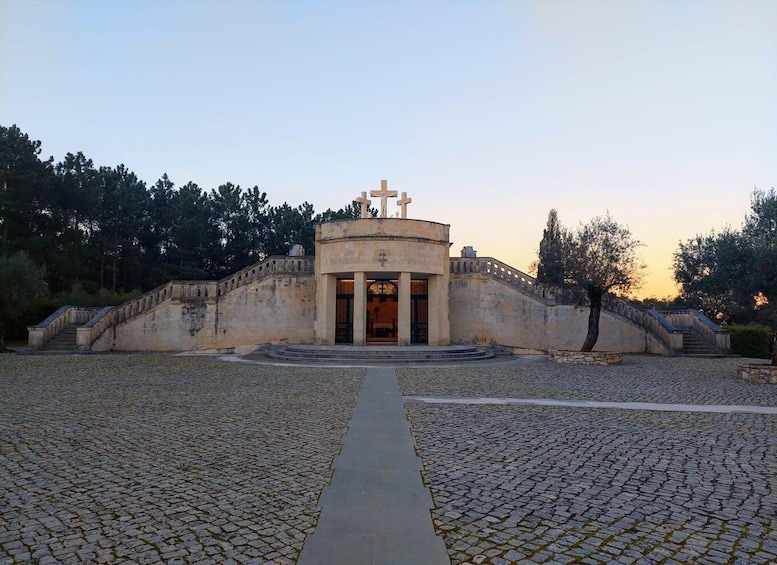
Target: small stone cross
<point x="403" y="202"/>
<point x="382" y="258"/>
<point x="365" y="204"/>
<point x="384" y="194"/>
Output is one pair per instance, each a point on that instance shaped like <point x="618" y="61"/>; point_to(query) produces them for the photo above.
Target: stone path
<point x="650" y="406"/>
<point x="376" y="510"/>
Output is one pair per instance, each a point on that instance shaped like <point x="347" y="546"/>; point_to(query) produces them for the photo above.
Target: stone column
<point x="404" y="309"/>
<point x="359" y="308"/>
<point x="326" y="310"/>
<point x="439" y="326"/>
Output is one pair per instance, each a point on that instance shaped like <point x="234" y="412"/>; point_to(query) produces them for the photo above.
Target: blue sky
<point x="486" y="113"/>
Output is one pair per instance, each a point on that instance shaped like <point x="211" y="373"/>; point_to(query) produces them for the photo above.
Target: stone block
<point x="586" y="357"/>
<point x="760" y="373"/>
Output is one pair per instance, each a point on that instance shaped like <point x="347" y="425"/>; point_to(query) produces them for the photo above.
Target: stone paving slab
<point x="558" y="484"/>
<point x="376" y="510"/>
<point x="160" y="459"/>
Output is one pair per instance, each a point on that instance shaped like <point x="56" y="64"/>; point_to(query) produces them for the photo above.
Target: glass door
<point x="344" y="311"/>
<point x="419" y="311"/>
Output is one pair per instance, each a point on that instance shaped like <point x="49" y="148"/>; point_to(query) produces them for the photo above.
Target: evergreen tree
<point x="550" y="264"/>
<point x="25" y="188"/>
<point x="21" y="283"/>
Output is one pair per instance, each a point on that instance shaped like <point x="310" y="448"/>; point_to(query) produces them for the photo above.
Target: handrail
<point x="40" y="334"/>
<point x="87" y="334"/>
<point x="504" y="273"/>
<point x="258" y="271"/>
<point x="718" y="338"/>
<point x="670" y="336"/>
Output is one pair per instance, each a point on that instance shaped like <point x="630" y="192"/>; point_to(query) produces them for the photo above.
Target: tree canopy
<point x="101" y="227"/>
<point x="21" y="282"/>
<point x="731" y="275"/>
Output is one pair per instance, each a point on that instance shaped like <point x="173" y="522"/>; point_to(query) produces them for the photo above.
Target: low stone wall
<point x="586" y="358"/>
<point x="761" y="374"/>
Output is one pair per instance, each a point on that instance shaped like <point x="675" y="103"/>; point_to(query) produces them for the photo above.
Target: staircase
<point x="63" y="342"/>
<point x="694" y="345"/>
<point x="373" y="354"/>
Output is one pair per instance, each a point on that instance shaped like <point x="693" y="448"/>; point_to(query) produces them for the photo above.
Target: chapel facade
<point x="382" y="280"/>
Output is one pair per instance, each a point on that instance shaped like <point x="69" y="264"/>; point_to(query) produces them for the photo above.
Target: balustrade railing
<point x="719" y="338"/>
<point x="497" y="270"/>
<point x="502" y="272"/>
<point x="64" y="317"/>
<point x="663" y="330"/>
<point x="271" y="266"/>
<point x="87" y="334"/>
<point x="188" y="290"/>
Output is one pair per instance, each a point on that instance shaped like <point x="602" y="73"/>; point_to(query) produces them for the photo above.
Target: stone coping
<point x="586" y="357"/>
<point x="758" y="373"/>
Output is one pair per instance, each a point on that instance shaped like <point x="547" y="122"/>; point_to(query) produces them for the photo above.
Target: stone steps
<point x="372" y="354"/>
<point x="695" y="345"/>
<point x="63" y="342"/>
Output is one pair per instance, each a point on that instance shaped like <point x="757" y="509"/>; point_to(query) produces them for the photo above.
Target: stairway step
<point x="694" y="344"/>
<point x="378" y="354"/>
<point x="64" y="342"/>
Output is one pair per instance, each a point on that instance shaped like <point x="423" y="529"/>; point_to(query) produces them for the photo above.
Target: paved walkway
<point x="650" y="406"/>
<point x="376" y="510"/>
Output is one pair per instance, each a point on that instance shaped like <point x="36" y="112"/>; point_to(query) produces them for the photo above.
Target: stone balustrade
<point x="720" y="339"/>
<point x="64" y="317"/>
<point x="527" y="284"/>
<point x="94" y="328"/>
<point x="142" y="303"/>
<point x="95" y="321"/>
<point x="273" y="265"/>
<point x="670" y="336"/>
<point x="502" y="272"/>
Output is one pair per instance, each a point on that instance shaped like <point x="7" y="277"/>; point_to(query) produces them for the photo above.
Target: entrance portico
<point x="382" y="280"/>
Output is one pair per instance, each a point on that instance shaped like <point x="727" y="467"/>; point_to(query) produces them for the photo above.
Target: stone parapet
<point x="761" y="373"/>
<point x="586" y="357"/>
<point x="65" y="316"/>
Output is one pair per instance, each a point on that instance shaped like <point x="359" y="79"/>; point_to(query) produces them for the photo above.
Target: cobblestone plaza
<point x="162" y="459"/>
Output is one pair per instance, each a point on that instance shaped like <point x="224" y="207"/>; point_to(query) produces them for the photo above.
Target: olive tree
<point x="601" y="257"/>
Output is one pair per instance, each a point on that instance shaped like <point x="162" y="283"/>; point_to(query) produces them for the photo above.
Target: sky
<point x="487" y="113"/>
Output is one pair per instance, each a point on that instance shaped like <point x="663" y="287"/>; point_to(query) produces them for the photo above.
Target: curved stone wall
<point x="374" y="245"/>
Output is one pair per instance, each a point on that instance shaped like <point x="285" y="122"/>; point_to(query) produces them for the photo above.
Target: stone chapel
<point x="384" y="280"/>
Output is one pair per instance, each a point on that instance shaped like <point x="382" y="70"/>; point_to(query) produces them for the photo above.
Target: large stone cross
<point x="365" y="204"/>
<point x="403" y="202"/>
<point x="384" y="194"/>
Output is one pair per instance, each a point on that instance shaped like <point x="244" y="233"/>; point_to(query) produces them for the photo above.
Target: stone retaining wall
<point x="586" y="358"/>
<point x="761" y="374"/>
